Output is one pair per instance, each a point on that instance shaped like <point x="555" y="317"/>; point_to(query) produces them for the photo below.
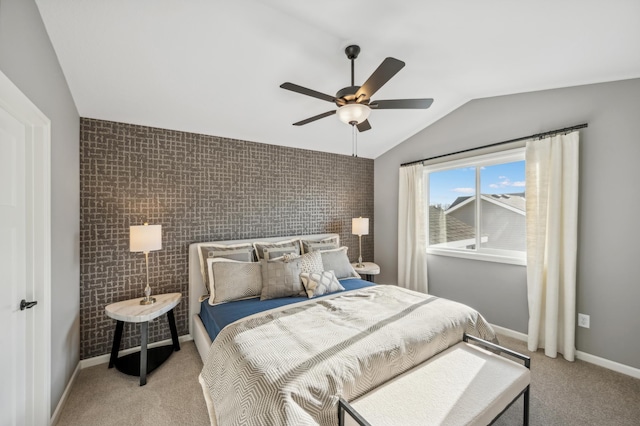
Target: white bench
<point x="463" y="385"/>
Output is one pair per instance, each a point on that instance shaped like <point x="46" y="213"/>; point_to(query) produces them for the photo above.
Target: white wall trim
<point x="103" y="359"/>
<point x="63" y="399"/>
<point x="38" y="158"/>
<point x="611" y="365"/>
<point x="510" y="333"/>
<point x="583" y="356"/>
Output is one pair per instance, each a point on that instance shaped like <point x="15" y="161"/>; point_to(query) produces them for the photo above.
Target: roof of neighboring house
<point x="456" y="229"/>
<point x="515" y="201"/>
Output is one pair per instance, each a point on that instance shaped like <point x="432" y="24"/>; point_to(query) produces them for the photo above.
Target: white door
<point x="13" y="272"/>
<point x="25" y="259"/>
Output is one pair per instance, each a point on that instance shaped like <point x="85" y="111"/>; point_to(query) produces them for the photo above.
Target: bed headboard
<point x="196" y="285"/>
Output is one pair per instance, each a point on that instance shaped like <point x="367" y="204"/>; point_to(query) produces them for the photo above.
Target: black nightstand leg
<point x="144" y="332"/>
<point x="117" y="336"/>
<point x="174" y="331"/>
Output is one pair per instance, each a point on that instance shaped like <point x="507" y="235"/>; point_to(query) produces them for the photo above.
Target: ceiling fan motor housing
<point x="348" y="94"/>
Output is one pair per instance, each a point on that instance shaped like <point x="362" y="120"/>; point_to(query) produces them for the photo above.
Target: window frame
<point x="478" y="161"/>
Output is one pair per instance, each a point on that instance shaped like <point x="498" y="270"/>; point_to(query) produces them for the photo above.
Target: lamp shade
<point x="145" y="238"/>
<point x="360" y="226"/>
<point x="353" y="113"/>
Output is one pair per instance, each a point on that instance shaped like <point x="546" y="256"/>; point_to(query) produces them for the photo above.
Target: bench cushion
<point x="463" y="385"/>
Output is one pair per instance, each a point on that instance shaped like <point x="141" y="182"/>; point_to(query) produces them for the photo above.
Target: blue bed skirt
<point x="215" y="318"/>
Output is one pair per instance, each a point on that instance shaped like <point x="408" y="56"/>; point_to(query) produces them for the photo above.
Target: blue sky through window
<point x="447" y="185"/>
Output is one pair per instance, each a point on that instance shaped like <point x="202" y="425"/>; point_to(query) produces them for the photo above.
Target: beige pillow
<point x="329" y="243"/>
<point x="241" y="252"/>
<point x="276" y="249"/>
<point x="233" y="280"/>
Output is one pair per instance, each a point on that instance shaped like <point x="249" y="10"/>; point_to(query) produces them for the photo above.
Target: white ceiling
<point x="215" y="67"/>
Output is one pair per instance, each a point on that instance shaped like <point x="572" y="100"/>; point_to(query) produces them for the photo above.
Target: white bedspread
<point x="288" y="366"/>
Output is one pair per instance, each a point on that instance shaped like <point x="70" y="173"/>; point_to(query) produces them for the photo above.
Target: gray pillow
<point x="280" y="279"/>
<point x="234" y="281"/>
<point x="324" y="244"/>
<point x="319" y="283"/>
<point x="239" y="252"/>
<point x="290" y="246"/>
<point x="338" y="262"/>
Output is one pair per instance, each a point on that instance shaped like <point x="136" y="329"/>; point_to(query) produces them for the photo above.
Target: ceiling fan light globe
<point x="353" y="113"/>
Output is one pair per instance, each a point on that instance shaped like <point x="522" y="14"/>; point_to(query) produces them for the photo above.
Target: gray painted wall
<point x="28" y="59"/>
<point x="608" y="287"/>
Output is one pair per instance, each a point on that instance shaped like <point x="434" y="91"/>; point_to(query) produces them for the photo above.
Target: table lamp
<point x="143" y="239"/>
<point x="360" y="227"/>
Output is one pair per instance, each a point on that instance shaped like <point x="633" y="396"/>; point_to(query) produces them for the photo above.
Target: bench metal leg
<point x="343" y="406"/>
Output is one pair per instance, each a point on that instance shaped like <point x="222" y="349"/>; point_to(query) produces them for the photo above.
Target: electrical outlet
<point x="583" y="320"/>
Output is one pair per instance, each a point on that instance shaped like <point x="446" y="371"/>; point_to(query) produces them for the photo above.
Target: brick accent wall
<point x="199" y="188"/>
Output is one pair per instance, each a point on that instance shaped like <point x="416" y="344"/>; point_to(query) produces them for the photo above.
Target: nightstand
<point x="143" y="362"/>
<point x="368" y="270"/>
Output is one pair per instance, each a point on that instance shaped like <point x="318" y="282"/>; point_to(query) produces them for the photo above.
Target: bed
<point x="287" y="361"/>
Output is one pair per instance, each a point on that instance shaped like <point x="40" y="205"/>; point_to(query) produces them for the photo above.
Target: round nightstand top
<point x="132" y="311"/>
<point x="369" y="268"/>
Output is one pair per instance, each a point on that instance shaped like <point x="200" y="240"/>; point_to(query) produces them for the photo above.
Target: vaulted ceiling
<point x="215" y="67"/>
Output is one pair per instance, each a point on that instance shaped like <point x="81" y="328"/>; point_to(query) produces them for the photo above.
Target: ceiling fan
<point x="354" y="102"/>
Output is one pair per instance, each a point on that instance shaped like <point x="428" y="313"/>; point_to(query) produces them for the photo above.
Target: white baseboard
<point x="65" y="395"/>
<point x="103" y="359"/>
<point x="611" y="365"/>
<point x="510" y="333"/>
<point x="583" y="356"/>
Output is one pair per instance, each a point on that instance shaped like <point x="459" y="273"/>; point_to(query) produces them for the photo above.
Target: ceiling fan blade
<point x="387" y="69"/>
<point x="308" y="92"/>
<point x="402" y="104"/>
<point x="364" y="126"/>
<point x="314" y="118"/>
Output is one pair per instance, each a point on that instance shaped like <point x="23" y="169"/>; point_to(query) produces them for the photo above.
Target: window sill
<point x="485" y="257"/>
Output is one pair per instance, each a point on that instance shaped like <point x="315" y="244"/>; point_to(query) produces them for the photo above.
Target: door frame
<point x="38" y="243"/>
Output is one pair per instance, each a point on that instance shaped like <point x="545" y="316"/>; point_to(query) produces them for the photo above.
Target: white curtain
<point x="412" y="243"/>
<point x="552" y="236"/>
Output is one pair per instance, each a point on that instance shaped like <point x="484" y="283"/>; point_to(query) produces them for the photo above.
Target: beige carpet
<point x="172" y="395"/>
<point x="562" y="393"/>
<point x="574" y="393"/>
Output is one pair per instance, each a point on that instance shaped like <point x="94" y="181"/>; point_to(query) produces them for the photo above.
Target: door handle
<point x="27" y="305"/>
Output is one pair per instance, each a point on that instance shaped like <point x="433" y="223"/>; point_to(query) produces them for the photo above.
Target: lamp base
<point x="148" y="301"/>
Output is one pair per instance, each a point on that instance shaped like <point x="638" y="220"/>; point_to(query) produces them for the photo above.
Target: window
<point x="477" y="207"/>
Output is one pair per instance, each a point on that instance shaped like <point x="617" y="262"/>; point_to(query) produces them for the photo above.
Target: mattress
<point x="215" y="318"/>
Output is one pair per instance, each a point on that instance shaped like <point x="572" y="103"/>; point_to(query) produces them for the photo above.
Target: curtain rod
<point x="537" y="135"/>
